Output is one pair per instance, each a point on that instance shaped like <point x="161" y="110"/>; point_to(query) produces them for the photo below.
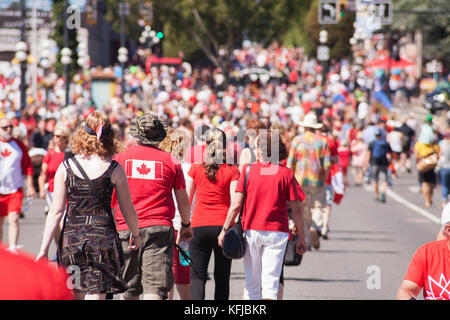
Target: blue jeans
<point x="445" y="182"/>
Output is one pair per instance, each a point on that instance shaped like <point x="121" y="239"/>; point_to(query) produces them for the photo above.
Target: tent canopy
<point x="391" y="63"/>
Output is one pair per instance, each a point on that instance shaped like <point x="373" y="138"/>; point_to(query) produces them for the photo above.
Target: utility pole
<point x="23" y="64"/>
<point x="66" y="45"/>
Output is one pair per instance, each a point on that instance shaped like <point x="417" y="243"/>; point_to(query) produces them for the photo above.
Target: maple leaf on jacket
<point x="143" y="169"/>
<point x="6" y="153"/>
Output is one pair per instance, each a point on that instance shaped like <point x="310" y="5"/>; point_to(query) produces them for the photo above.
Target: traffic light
<point x="343" y="6"/>
<point x="160" y="35"/>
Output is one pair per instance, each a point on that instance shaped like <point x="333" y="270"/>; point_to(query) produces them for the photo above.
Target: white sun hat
<point x="310" y="121"/>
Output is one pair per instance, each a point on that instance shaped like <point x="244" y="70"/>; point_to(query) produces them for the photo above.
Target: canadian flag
<point x="337" y="183"/>
<point x="144" y="169"/>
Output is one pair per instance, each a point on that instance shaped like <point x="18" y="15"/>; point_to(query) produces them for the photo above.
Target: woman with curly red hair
<point x="89" y="242"/>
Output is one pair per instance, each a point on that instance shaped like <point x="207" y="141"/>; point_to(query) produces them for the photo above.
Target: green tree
<point x="217" y="27"/>
<point x="58" y="9"/>
<point x="338" y="34"/>
<point x="434" y="22"/>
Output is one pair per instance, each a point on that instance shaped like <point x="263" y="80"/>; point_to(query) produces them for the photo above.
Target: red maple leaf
<point x="143" y="169"/>
<point x="6" y="153"/>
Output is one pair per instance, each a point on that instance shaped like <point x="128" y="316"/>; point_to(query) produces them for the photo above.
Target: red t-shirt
<point x="344" y="156"/>
<point x="53" y="159"/>
<point x="269" y="187"/>
<point x="152" y="174"/>
<point x="430" y="269"/>
<point x="212" y="199"/>
<point x="21" y="278"/>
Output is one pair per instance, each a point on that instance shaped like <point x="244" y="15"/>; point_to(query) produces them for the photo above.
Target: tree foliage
<point x="58" y="9"/>
<point x="434" y="23"/>
<point x="338" y="34"/>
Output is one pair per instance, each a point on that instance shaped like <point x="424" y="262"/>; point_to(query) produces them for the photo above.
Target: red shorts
<point x="11" y="203"/>
<point x="182" y="274"/>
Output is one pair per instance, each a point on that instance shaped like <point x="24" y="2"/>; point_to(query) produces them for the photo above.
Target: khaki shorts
<point x="149" y="269"/>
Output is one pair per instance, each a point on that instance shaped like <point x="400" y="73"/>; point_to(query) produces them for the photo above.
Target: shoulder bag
<point x="427" y="163"/>
<point x="291" y="257"/>
<point x="234" y="243"/>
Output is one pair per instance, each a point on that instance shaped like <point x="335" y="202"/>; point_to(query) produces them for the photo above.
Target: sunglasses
<point x="59" y="136"/>
<point x="7" y="127"/>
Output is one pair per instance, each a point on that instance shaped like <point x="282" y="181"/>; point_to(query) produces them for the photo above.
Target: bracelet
<point x="225" y="229"/>
<point x="186" y="225"/>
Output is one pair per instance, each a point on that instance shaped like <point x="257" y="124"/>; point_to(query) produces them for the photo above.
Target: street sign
<point x="434" y="66"/>
<point x="328" y="11"/>
<point x="323" y="53"/>
<point x="377" y="12"/>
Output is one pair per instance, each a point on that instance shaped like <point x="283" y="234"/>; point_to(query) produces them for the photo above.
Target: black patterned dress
<point x="89" y="241"/>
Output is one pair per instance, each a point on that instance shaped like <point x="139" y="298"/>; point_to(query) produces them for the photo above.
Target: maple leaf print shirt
<point x="430" y="269"/>
<point x="14" y="163"/>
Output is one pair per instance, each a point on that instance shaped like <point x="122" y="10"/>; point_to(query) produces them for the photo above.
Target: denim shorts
<point x="148" y="270"/>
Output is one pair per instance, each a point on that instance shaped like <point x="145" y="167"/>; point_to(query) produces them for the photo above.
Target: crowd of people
<point x="174" y="154"/>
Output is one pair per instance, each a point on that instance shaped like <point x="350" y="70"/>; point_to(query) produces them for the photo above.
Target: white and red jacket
<point x="14" y="164"/>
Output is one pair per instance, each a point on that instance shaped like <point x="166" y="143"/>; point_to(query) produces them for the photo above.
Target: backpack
<point x="380" y="149"/>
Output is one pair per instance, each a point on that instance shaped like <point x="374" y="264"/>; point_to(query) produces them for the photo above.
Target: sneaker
<point x="383" y="197"/>
<point x="315" y="239"/>
<point x="324" y="233"/>
<point x="13" y="249"/>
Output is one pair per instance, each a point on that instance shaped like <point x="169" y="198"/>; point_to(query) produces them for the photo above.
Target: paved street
<point x="369" y="247"/>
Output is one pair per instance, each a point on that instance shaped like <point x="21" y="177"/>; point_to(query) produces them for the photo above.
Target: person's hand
<point x="301" y="246"/>
<point x="134" y="243"/>
<point x="31" y="192"/>
<point x="221" y="237"/>
<point x="185" y="234"/>
<point x="42" y="194"/>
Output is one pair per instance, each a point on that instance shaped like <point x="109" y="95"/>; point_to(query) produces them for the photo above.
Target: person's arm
<point x="297" y="216"/>
<point x="235" y="207"/>
<point x="27" y="170"/>
<point x="244" y="158"/>
<point x="190" y="188"/>
<point x="184" y="208"/>
<point x="408" y="290"/>
<point x="55" y="213"/>
<point x="119" y="179"/>
<point x="31" y="192"/>
<point x="41" y="180"/>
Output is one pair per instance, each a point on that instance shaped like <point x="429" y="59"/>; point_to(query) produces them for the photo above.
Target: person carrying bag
<point x="234" y="243"/>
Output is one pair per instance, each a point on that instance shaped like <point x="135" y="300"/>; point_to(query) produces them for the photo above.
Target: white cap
<point x="445" y="217"/>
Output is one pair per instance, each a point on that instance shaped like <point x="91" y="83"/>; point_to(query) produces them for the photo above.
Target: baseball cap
<point x="445" y="217"/>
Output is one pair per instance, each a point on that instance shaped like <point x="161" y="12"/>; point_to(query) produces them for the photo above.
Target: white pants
<point x="263" y="261"/>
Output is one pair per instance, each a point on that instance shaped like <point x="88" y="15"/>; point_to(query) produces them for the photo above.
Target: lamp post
<point x="323" y="52"/>
<point x="65" y="54"/>
<point x="123" y="51"/>
<point x="149" y="37"/>
<point x="21" y="55"/>
<point x="66" y="60"/>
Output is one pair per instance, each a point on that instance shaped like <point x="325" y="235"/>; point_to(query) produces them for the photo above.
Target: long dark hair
<point x="216" y="154"/>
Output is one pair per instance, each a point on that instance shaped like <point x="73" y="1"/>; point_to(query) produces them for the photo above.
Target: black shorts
<point x="429" y="177"/>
